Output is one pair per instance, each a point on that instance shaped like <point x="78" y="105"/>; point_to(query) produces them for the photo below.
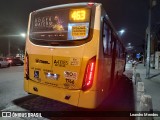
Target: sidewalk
<point x="152" y="85"/>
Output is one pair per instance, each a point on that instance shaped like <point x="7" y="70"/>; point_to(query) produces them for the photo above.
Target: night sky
<point x="131" y="15"/>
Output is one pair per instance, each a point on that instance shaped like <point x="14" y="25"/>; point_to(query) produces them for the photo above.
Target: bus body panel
<point x="54" y="71"/>
<point x="88" y="99"/>
<point x="91" y="99"/>
<point x="48" y="66"/>
<point x="26" y="84"/>
<point x="91" y="50"/>
<point x="62" y="63"/>
<point x="55" y="93"/>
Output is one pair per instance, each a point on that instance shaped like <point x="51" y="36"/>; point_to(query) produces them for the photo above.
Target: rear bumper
<point x="88" y="99"/>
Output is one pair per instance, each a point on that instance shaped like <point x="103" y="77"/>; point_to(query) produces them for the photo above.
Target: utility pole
<point x="151" y="4"/>
<point x="9" y="48"/>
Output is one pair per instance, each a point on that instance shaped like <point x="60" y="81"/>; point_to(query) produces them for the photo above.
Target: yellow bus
<point x="73" y="54"/>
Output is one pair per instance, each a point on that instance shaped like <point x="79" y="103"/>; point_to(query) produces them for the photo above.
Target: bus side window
<point x="109" y="44"/>
<point x="113" y="44"/>
<point x="124" y="53"/>
<point x="121" y="52"/>
<point x="106" y="39"/>
<point x="119" y="49"/>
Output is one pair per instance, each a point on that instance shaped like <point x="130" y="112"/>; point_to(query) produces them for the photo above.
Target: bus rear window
<point x="66" y="24"/>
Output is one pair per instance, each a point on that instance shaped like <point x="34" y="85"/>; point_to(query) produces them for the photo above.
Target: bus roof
<point x="66" y="5"/>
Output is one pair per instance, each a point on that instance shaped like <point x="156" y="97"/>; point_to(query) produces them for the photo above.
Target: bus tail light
<point x="27" y="66"/>
<point x="90" y="4"/>
<point x="89" y="74"/>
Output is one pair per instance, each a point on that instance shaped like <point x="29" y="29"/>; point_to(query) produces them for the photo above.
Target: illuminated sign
<point x="79" y="31"/>
<point x="79" y="15"/>
<point x="60" y="24"/>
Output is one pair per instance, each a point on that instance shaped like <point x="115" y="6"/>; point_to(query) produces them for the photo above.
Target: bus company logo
<point x="41" y="61"/>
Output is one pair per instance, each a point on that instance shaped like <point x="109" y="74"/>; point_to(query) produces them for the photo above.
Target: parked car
<point x="15" y="61"/>
<point x="4" y="62"/>
<point x="9" y="59"/>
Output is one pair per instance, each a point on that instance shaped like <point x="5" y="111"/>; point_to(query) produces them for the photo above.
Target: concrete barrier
<point x="146" y="106"/>
<point x="140" y="90"/>
<point x="137" y="78"/>
<point x="146" y="103"/>
<point x="143" y="102"/>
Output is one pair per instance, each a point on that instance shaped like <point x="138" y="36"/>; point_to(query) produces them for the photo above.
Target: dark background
<point x="131" y="15"/>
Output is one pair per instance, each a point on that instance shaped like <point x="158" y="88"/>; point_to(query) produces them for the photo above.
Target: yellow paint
<point x="54" y="92"/>
<point x="58" y="61"/>
<point x="73" y="59"/>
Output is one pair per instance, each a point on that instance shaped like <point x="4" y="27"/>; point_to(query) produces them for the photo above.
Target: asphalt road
<point x="13" y="97"/>
<point x="11" y="85"/>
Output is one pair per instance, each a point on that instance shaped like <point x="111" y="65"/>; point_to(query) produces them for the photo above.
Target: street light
<point x="121" y="32"/>
<point x="129" y="46"/>
<point x="9" y="44"/>
<point x="23" y="35"/>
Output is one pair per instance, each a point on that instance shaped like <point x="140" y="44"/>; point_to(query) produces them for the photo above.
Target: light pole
<point x="151" y="4"/>
<point x="9" y="48"/>
<point x="9" y="42"/>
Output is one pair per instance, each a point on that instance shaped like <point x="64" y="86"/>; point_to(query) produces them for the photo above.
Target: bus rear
<point x="61" y="56"/>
